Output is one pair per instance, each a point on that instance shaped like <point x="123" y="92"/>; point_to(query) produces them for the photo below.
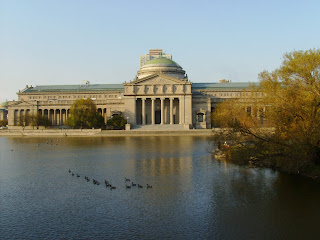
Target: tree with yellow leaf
<point x="282" y="128"/>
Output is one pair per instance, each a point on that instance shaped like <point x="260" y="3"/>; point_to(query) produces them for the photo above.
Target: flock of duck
<point x="50" y="143"/>
<point x="129" y="184"/>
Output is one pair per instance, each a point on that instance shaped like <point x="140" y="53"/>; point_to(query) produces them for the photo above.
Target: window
<point x="200" y="117"/>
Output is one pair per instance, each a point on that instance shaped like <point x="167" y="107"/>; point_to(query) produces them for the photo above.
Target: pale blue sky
<point x="66" y="41"/>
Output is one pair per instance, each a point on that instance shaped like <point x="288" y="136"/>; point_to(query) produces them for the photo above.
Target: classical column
<point x="180" y="111"/>
<point x="57" y="120"/>
<point x="19" y="117"/>
<point x="108" y="113"/>
<point x="143" y="111"/>
<point x="11" y="117"/>
<point x="171" y="112"/>
<point x="65" y="116"/>
<point x="61" y="119"/>
<point x="49" y="114"/>
<point x="152" y="111"/>
<point x="162" y="110"/>
<point x="55" y="116"/>
<point x="42" y="112"/>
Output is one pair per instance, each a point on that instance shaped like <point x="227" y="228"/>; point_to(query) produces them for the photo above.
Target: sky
<point x="56" y="42"/>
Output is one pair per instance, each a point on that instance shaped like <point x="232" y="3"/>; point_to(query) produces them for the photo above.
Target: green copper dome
<point x="162" y="61"/>
<point x="4" y="103"/>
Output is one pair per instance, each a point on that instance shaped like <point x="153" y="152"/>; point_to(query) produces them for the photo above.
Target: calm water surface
<point x="193" y="197"/>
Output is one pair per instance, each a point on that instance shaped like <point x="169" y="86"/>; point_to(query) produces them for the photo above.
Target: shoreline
<point x="101" y="133"/>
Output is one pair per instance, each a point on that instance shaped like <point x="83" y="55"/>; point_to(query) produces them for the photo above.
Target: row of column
<point x="57" y="116"/>
<point x="103" y="113"/>
<point x="162" y="112"/>
<point x="260" y="111"/>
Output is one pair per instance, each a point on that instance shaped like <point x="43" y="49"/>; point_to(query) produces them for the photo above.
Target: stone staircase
<point x="158" y="127"/>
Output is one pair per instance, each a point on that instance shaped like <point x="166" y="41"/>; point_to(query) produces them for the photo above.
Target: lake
<point x="193" y="195"/>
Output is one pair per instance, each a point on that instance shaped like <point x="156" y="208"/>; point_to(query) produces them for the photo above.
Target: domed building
<point x="163" y="65"/>
<point x="160" y="96"/>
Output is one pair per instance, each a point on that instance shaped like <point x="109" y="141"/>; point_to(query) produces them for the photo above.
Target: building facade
<point x="160" y="94"/>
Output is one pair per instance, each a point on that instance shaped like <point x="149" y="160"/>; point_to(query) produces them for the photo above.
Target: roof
<point x="220" y="86"/>
<point x="75" y="88"/>
<point x="120" y="87"/>
<point x="162" y="61"/>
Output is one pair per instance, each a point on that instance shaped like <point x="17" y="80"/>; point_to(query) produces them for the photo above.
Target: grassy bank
<point x="255" y="157"/>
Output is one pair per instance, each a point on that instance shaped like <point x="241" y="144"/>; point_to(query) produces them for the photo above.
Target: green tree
<point x="24" y="120"/>
<point x="117" y="122"/>
<point x="291" y="97"/>
<point x="84" y="115"/>
<point x="37" y="119"/>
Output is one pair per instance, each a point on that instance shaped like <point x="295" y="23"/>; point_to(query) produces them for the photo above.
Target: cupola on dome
<point x="161" y="65"/>
<point x="162" y="61"/>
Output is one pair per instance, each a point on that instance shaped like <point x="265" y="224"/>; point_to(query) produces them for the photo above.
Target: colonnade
<point x="58" y="117"/>
<point x="103" y="113"/>
<point x="163" y="110"/>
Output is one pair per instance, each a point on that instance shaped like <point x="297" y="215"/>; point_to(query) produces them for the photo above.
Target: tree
<point x="290" y="96"/>
<point x="38" y="120"/>
<point x="117" y="122"/>
<point x="24" y="120"/>
<point x="34" y="120"/>
<point x="84" y="115"/>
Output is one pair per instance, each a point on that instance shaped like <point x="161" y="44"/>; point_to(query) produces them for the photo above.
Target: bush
<point x="117" y="122"/>
<point x="4" y="122"/>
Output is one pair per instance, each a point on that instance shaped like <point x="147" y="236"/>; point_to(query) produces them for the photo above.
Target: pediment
<point x="157" y="84"/>
<point x="158" y="79"/>
<point x="21" y="103"/>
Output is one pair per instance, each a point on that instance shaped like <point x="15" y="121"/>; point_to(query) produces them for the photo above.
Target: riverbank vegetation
<point x="277" y="123"/>
<point x="4" y="122"/>
<point x="34" y="120"/>
<point x="117" y="122"/>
